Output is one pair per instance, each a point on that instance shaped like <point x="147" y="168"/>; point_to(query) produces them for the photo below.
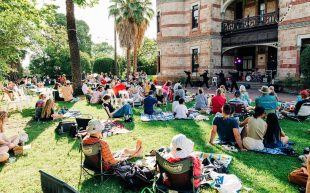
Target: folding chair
<point x="82" y="121"/>
<point x="92" y="164"/>
<point x="9" y="102"/>
<point x="239" y="109"/>
<point x="110" y="118"/>
<point x="50" y="184"/>
<point x="180" y="175"/>
<point x="303" y="113"/>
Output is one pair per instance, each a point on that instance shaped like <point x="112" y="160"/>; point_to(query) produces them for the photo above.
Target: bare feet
<point x="139" y="148"/>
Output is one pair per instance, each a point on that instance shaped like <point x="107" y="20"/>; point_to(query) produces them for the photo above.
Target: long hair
<point x="47" y="109"/>
<point x="273" y="132"/>
<point x="3" y="115"/>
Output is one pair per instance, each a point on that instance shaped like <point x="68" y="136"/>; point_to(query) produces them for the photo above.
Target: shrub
<point x="305" y="66"/>
<point x="104" y="65"/>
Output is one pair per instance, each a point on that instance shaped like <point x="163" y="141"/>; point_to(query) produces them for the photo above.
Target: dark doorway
<point x="239" y="10"/>
<point x="272" y="63"/>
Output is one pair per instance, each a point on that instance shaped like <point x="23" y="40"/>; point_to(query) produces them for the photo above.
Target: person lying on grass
<point x="94" y="135"/>
<point x="124" y="111"/>
<point x="227" y="129"/>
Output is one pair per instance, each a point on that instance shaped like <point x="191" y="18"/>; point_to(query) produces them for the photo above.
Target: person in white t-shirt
<point x="97" y="95"/>
<point x="175" y="87"/>
<point x="181" y="111"/>
<point x="175" y="103"/>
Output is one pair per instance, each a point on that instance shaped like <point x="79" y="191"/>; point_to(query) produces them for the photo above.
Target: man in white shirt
<point x="175" y="87"/>
<point x="181" y="111"/>
<point x="96" y="98"/>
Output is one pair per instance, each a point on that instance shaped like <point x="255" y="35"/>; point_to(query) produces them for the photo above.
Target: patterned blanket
<point x="110" y="129"/>
<point x="225" y="159"/>
<point x="167" y="116"/>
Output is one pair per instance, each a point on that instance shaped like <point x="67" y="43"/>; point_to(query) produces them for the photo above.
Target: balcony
<point x="267" y="20"/>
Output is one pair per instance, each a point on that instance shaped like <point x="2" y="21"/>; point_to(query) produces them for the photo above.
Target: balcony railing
<point x="250" y="22"/>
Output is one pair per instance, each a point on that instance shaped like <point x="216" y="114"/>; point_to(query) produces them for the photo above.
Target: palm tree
<point x="145" y="13"/>
<point x="123" y="12"/>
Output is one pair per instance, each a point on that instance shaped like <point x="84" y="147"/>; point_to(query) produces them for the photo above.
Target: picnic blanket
<point x="164" y="116"/>
<point x="113" y="128"/>
<point x="167" y="116"/>
<point x="225" y="159"/>
<point x="285" y="150"/>
<point x="72" y="113"/>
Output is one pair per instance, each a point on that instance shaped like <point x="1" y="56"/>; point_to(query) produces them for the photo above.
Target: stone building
<point x="214" y="35"/>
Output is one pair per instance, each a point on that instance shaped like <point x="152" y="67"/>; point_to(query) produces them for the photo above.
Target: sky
<point x="97" y="18"/>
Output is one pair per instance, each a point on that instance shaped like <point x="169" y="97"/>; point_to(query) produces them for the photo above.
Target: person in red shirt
<point x="218" y="101"/>
<point x="119" y="87"/>
<point x="181" y="148"/>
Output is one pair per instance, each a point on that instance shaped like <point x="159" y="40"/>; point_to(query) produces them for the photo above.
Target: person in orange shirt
<point x="94" y="135"/>
<point x="67" y="92"/>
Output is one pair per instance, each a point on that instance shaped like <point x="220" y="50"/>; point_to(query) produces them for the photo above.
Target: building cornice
<point x="294" y="25"/>
<point x="188" y="39"/>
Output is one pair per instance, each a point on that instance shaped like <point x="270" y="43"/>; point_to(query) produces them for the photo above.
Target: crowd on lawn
<point x="118" y="97"/>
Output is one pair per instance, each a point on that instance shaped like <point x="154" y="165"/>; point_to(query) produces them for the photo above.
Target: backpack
<point x="67" y="127"/>
<point x="134" y="177"/>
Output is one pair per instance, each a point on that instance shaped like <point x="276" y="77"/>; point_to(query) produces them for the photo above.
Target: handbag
<point x="66" y="127"/>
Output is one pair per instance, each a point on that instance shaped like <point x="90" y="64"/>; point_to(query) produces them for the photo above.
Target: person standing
<point x="221" y="79"/>
<point x="234" y="78"/>
<point x="188" y="79"/>
<point x="205" y="79"/>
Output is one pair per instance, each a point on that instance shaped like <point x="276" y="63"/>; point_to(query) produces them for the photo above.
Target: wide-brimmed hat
<point x="94" y="126"/>
<point x="181" y="146"/>
<point x="264" y="90"/>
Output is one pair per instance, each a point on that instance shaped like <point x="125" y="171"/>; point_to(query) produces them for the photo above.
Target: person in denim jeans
<point x="124" y="111"/>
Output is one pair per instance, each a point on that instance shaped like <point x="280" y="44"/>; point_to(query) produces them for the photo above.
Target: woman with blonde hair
<point x="48" y="112"/>
<point x="6" y="143"/>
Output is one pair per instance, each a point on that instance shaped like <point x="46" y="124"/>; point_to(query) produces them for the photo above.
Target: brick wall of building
<point x="295" y="24"/>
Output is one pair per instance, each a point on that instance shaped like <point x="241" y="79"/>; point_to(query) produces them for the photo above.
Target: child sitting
<point x="181" y="111"/>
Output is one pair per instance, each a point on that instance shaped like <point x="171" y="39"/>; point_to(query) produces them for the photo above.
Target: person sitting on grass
<point x="255" y="130"/>
<point x="124" y="111"/>
<point x="179" y="92"/>
<point x="218" y="101"/>
<point x="181" y="111"/>
<point x="226" y="128"/>
<point x="48" y="112"/>
<point x="149" y="103"/>
<point x="86" y="91"/>
<point x="94" y="135"/>
<point x="273" y="92"/>
<point x="7" y="144"/>
<point x="244" y="96"/>
<point x="160" y="96"/>
<point x="41" y="101"/>
<point x="274" y="137"/>
<point x="301" y="176"/>
<point x="175" y="103"/>
<point x="56" y="93"/>
<point x="67" y="92"/>
<point x="97" y="96"/>
<point x="304" y="99"/>
<point x="266" y="101"/>
<point x="201" y="100"/>
<point x="182" y="148"/>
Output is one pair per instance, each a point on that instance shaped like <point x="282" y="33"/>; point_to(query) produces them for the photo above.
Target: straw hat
<point x="94" y="126"/>
<point x="264" y="90"/>
<point x="181" y="146"/>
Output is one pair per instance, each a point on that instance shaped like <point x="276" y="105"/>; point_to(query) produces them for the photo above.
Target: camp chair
<point x="50" y="184"/>
<point x="239" y="109"/>
<point x="82" y="121"/>
<point x="9" y="102"/>
<point x="303" y="113"/>
<point x="92" y="163"/>
<point x="180" y="175"/>
<point x="110" y="118"/>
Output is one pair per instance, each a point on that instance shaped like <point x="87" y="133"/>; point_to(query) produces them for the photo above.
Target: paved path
<point x="252" y="92"/>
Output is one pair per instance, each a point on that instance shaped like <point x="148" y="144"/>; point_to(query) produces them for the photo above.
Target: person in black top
<point x="222" y="80"/>
<point x="188" y="79"/>
<point x="48" y="112"/>
<point x="205" y="79"/>
<point x="124" y="111"/>
<point x="294" y="112"/>
<point x="234" y="78"/>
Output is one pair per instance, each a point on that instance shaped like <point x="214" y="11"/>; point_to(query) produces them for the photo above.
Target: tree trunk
<point x="128" y="63"/>
<point x="73" y="45"/>
<point x="135" y="59"/>
<point x="115" y="52"/>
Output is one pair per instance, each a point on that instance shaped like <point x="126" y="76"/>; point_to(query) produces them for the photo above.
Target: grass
<point x="59" y="155"/>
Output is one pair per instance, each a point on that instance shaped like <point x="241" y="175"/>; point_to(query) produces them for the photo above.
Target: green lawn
<point x="60" y="156"/>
